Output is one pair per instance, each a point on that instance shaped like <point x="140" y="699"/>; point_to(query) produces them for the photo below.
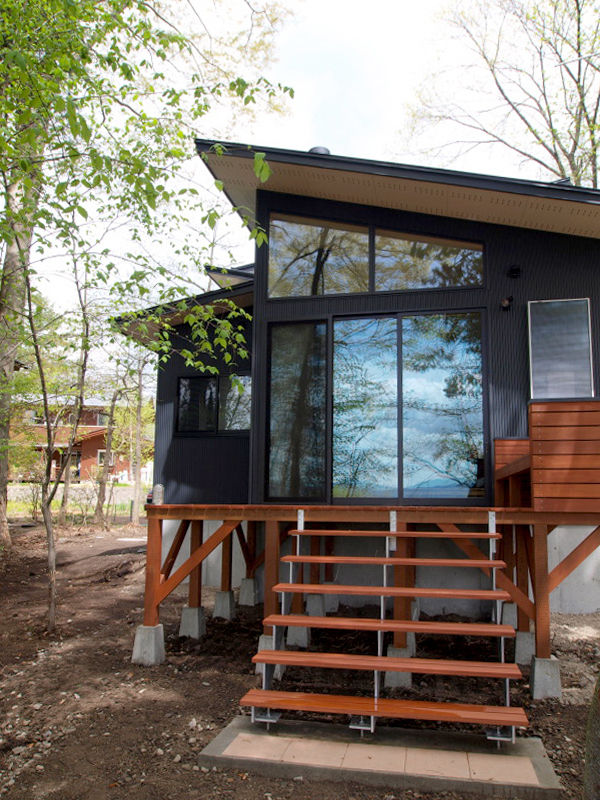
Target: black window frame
<point x="214" y="430"/>
<point x="373" y="228"/>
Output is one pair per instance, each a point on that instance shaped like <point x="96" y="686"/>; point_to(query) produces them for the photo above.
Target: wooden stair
<point x="267" y="704"/>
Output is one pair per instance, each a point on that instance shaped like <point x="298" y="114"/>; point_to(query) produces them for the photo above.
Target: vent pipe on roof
<point x="321" y="151"/>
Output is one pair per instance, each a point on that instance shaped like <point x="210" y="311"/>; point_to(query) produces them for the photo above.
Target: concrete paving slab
<point x="398" y="758"/>
<point x="487" y="767"/>
<point x="437" y="762"/>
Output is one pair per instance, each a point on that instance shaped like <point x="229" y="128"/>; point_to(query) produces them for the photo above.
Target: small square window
<point x="197" y="405"/>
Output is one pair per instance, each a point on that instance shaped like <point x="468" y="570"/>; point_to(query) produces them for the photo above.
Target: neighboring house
<point x="425" y="351"/>
<point x="89" y="448"/>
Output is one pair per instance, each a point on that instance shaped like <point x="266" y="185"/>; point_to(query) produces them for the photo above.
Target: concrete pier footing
<point x="248" y="592"/>
<point x="193" y="622"/>
<point x="224" y="605"/>
<point x="149" y="645"/>
<point x="401" y="680"/>
<point x="545" y="678"/>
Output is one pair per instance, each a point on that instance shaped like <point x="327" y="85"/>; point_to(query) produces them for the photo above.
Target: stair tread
<point x="396" y="561"/>
<point x="392" y="591"/>
<point x="400" y="534"/>
<point x="403" y="626"/>
<point x="399" y="709"/>
<point x="430" y="666"/>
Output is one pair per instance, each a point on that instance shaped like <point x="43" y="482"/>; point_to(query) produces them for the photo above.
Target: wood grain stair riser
<point x="424" y="666"/>
<point x="392" y="591"/>
<point x="404" y="626"/>
<point x="393" y="709"/>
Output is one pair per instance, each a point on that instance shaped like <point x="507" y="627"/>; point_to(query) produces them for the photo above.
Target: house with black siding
<point x="424" y="356"/>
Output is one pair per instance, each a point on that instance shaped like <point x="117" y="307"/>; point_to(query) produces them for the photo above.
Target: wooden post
<point x="403" y="576"/>
<point x="542" y="592"/>
<point x="271" y="569"/>
<point x="329" y="548"/>
<point x="522" y="533"/>
<point x="226" y="553"/>
<point x="195" y="584"/>
<point x="251" y="542"/>
<point x="315" y="550"/>
<point x="153" y="559"/>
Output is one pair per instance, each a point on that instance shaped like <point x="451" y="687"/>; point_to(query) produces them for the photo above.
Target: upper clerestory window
<point x="310" y="257"/>
<point x="404" y="261"/>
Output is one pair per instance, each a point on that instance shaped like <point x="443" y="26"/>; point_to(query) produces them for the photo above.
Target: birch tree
<point x="530" y="83"/>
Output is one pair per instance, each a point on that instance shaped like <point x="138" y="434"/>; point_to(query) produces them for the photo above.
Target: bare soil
<point x="78" y="720"/>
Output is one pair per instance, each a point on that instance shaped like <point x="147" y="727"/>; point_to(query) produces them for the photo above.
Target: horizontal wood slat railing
<point x="565" y="455"/>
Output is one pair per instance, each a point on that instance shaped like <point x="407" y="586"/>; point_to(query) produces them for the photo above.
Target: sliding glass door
<point x="391" y="408"/>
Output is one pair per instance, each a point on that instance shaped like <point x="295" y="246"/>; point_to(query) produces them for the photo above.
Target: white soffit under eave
<point x="426" y="197"/>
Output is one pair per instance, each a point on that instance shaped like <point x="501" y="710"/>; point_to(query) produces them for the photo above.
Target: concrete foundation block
<point x="265" y="642"/>
<point x="298" y="637"/>
<point x="401" y="680"/>
<point x="332" y="601"/>
<point x="315" y="605"/>
<point x="224" y="605"/>
<point x="524" y="647"/>
<point x="509" y="614"/>
<point x="248" y="592"/>
<point x="149" y="645"/>
<point x="193" y="622"/>
<point x="545" y="678"/>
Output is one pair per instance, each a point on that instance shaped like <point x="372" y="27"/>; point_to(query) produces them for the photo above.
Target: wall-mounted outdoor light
<point x="506" y="303"/>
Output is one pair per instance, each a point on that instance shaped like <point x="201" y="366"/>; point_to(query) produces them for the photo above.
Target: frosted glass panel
<point x="560" y="356"/>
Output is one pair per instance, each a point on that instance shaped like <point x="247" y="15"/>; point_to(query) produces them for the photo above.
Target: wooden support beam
<point x="248" y="559"/>
<point x="542" y="591"/>
<point x="402" y="577"/>
<point x="574" y="559"/>
<point x="251" y="543"/>
<point x="196" y="558"/>
<point x="329" y="548"/>
<point x="271" y="576"/>
<point x="226" y="561"/>
<point x="502" y="581"/>
<point x="174" y="549"/>
<point x="195" y="584"/>
<point x="522" y="535"/>
<point x="153" y="558"/>
<point x="315" y="550"/>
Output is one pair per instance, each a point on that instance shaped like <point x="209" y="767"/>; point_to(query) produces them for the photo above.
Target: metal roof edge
<point x="474" y="180"/>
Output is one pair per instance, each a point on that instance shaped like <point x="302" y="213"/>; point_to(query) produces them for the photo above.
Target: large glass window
<point x="312" y="257"/>
<point x="560" y="352"/>
<point x="402" y="386"/>
<point x="442" y="406"/>
<point x="297" y="436"/>
<point x="365" y="408"/>
<point x="235" y="395"/>
<point x="404" y="261"/>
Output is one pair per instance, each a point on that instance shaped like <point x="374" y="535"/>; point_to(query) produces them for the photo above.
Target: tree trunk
<point x="591" y="776"/>
<point x="137" y="466"/>
<point x="12" y="301"/>
<point x="62" y="514"/>
<point x="47" y="517"/>
<point x="99" y="517"/>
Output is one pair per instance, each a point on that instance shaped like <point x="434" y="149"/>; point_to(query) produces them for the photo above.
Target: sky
<point x="356" y="68"/>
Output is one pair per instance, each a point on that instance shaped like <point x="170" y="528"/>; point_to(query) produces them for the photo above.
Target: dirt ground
<point x="78" y="720"/>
